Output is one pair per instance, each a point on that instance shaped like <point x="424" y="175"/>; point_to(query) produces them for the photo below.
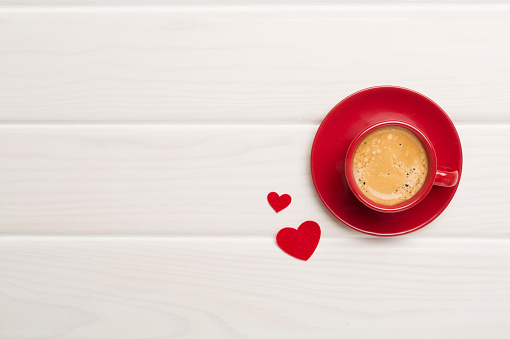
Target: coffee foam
<point x="390" y="165"/>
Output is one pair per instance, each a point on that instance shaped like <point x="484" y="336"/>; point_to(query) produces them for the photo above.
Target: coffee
<point x="390" y="165"/>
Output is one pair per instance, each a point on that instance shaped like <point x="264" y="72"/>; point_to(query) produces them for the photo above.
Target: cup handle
<point x="446" y="179"/>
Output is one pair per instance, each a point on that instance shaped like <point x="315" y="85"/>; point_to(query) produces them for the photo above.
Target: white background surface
<point x="139" y="142"/>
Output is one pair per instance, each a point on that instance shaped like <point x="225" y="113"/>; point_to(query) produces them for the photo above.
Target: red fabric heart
<point x="300" y="243"/>
<point x="278" y="202"/>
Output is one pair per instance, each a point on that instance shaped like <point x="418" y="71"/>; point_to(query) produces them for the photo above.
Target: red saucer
<point x="359" y="111"/>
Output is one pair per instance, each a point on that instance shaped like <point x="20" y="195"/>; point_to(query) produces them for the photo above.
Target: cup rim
<point x="419" y="196"/>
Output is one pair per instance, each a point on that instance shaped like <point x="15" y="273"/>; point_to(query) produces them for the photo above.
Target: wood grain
<point x="207" y="180"/>
<point x="240" y="288"/>
<point x="247" y="64"/>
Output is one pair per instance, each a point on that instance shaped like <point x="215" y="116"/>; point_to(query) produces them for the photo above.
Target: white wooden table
<point x="139" y="142"/>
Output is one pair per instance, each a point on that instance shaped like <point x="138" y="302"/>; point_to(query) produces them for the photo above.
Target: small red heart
<point x="300" y="243"/>
<point x="278" y="202"/>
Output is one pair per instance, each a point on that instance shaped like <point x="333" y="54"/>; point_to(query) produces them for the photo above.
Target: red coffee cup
<point x="435" y="176"/>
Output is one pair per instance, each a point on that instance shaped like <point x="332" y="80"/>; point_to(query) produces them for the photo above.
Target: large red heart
<point x="300" y="243"/>
<point x="278" y="202"/>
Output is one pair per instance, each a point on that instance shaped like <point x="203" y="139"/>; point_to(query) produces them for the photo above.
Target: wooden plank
<point x="242" y="288"/>
<point x="206" y="180"/>
<point x="16" y="4"/>
<point x="247" y="64"/>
